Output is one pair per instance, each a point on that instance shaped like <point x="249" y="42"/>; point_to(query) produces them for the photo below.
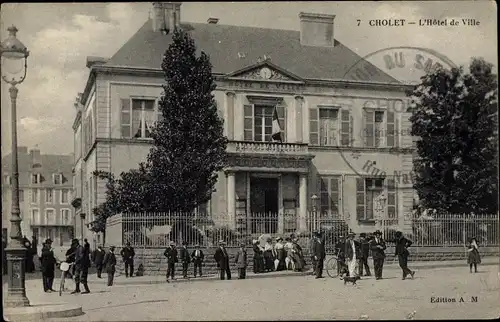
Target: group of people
<point x="278" y="256"/>
<point x="173" y="256"/>
<point x="352" y="255"/>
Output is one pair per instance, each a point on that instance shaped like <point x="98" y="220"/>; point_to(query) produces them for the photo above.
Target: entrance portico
<point x="268" y="181"/>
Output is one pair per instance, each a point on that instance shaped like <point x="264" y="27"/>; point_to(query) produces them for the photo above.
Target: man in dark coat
<point x="241" y="261"/>
<point x="109" y="263"/>
<point x="402" y="253"/>
<point x="82" y="264"/>
<point x="364" y="254"/>
<point x="198" y="258"/>
<point x="97" y="258"/>
<point x="222" y="258"/>
<point x="128" y="254"/>
<point x="351" y="254"/>
<point x="171" y="255"/>
<point x="319" y="254"/>
<point x="48" y="265"/>
<point x="29" y="264"/>
<point x="377" y="246"/>
<point x="185" y="259"/>
<point x="311" y="250"/>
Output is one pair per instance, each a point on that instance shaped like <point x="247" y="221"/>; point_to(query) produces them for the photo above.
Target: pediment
<point x="265" y="71"/>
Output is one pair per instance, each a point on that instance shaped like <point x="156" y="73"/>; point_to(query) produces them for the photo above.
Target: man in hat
<point x="222" y="258"/>
<point x="171" y="255"/>
<point x="363" y="254"/>
<point x="97" y="258"/>
<point x="241" y="261"/>
<point x="109" y="262"/>
<point x="70" y="256"/>
<point x="198" y="258"/>
<point x="351" y="254"/>
<point x="377" y="246"/>
<point x="48" y="264"/>
<point x="82" y="264"/>
<point x="319" y="253"/>
<point x="128" y="254"/>
<point x="402" y="253"/>
<point x="185" y="259"/>
<point x="311" y="249"/>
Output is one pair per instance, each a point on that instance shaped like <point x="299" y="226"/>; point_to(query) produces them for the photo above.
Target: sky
<point x="61" y="36"/>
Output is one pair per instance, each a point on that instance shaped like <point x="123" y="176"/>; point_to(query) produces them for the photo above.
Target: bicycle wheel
<point x="61" y="285"/>
<point x="331" y="267"/>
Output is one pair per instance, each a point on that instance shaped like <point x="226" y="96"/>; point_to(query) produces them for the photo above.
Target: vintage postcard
<point x="228" y="161"/>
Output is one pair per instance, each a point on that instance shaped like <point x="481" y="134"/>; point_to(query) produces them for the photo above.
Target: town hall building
<point x="335" y="127"/>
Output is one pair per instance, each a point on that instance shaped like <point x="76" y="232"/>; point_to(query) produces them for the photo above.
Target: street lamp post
<point x="13" y="49"/>
<point x="314" y="199"/>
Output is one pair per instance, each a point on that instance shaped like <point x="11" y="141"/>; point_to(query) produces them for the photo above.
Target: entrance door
<point x="264" y="205"/>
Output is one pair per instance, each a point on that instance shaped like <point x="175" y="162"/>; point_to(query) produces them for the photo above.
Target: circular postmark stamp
<point x="380" y="141"/>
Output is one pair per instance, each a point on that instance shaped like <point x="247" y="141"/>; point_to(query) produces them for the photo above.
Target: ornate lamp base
<point x="16" y="293"/>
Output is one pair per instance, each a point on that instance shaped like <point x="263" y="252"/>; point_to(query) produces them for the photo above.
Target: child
<point x="473" y="258"/>
<point x="241" y="261"/>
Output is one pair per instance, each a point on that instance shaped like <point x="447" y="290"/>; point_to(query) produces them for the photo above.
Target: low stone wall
<point x="156" y="264"/>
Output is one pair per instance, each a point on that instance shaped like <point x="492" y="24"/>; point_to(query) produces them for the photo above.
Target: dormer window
<point x="36" y="178"/>
<point x="57" y="178"/>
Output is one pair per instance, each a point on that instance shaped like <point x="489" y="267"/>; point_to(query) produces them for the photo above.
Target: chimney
<point x="213" y="21"/>
<point x="36" y="159"/>
<point x="316" y="29"/>
<point x="166" y="16"/>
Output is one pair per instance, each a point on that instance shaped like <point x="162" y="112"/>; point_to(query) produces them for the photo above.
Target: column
<point x="230" y="115"/>
<point x="302" y="224"/>
<point x="299" y="107"/>
<point x="231" y="199"/>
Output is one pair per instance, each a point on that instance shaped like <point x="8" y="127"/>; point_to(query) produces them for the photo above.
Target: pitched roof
<point x="223" y="43"/>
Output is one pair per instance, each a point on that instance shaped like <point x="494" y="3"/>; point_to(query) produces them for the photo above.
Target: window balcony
<point x="254" y="147"/>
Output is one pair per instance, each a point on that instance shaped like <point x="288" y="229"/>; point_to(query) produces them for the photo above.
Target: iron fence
<point x="157" y="230"/>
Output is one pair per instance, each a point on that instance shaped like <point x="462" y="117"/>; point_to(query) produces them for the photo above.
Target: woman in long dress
<point x="280" y="253"/>
<point x="258" y="260"/>
<point x="289" y="262"/>
<point x="298" y="256"/>
<point x="268" y="256"/>
<point x="474" y="258"/>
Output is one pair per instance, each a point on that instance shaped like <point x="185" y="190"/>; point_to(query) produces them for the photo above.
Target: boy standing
<point x="241" y="261"/>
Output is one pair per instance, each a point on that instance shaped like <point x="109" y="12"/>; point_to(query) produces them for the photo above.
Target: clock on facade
<point x="265" y="73"/>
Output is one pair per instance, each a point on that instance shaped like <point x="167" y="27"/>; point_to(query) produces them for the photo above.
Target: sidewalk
<point x="160" y="279"/>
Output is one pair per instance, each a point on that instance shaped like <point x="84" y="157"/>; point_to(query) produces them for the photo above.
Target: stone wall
<point x="156" y="264"/>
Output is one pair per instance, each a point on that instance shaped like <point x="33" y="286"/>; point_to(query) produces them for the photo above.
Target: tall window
<point x="35" y="178"/>
<point x="35" y="213"/>
<point x="49" y="195"/>
<point x="65" y="216"/>
<point x="35" y="198"/>
<point x="137" y="117"/>
<point x="258" y="122"/>
<point x="57" y="178"/>
<point x="64" y="196"/>
<point x="327" y="127"/>
<point x="373" y="201"/>
<point x="50" y="216"/>
<point x="329" y="196"/>
<point x="380" y="128"/>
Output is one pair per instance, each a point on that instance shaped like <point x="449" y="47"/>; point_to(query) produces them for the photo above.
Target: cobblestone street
<point x="299" y="297"/>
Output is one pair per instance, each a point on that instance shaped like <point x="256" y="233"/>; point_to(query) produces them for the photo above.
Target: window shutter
<point x="369" y="131"/>
<point x="360" y="198"/>
<point x="126" y="119"/>
<point x="248" y="123"/>
<point x="345" y="131"/>
<point x="391" y="129"/>
<point x="282" y="120"/>
<point x="314" y="126"/>
<point x="334" y="196"/>
<point x="391" y="199"/>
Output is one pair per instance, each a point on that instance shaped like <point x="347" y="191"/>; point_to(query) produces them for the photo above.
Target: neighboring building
<point x="45" y="190"/>
<point x="300" y="72"/>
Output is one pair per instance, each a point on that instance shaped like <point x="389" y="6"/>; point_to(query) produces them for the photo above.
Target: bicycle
<point x="64" y="267"/>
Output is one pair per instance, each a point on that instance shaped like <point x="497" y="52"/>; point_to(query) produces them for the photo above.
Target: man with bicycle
<point x="81" y="264"/>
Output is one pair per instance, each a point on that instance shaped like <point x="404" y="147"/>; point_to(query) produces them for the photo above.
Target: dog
<point x="351" y="279"/>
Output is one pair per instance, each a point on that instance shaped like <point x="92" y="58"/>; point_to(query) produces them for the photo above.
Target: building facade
<point x="45" y="192"/>
<point x="324" y="117"/>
